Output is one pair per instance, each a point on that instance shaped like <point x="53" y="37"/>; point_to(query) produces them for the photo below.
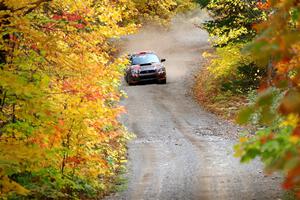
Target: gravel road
<point x="181" y="151"/>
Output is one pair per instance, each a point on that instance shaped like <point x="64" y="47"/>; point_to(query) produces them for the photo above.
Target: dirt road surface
<point x="181" y="151"/>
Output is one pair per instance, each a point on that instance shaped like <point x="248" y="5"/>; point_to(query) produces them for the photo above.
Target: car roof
<point x="142" y="53"/>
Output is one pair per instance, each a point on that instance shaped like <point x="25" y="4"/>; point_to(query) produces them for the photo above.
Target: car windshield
<point x="144" y="59"/>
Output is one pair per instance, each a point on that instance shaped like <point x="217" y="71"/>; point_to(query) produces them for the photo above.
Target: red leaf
<point x="297" y="131"/>
<point x="61" y="122"/>
<point x="288" y="184"/>
<point x="263" y="87"/>
<point x="264" y="6"/>
<point x="12" y="37"/>
<point x="34" y="47"/>
<point x="73" y="17"/>
<point x="80" y="26"/>
<point x="57" y="17"/>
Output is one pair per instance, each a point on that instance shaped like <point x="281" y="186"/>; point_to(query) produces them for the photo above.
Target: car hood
<point x="148" y="66"/>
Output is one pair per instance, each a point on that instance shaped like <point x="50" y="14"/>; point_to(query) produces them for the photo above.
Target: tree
<point x="231" y="29"/>
<point x="59" y="88"/>
<point x="232" y="21"/>
<point x="278" y="103"/>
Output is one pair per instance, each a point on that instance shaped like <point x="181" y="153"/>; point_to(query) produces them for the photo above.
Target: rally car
<point x="145" y="66"/>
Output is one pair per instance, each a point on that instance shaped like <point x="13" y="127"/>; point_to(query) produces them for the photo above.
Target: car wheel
<point x="164" y="81"/>
<point x="129" y="82"/>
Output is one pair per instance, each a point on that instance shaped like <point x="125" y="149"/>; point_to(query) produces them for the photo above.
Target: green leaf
<point x="266" y="99"/>
<point x="250" y="155"/>
<point x="295" y="14"/>
<point x="245" y="115"/>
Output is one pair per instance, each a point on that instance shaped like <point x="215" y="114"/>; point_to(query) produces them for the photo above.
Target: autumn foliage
<point x="229" y="73"/>
<point x="59" y="91"/>
<point x="278" y="104"/>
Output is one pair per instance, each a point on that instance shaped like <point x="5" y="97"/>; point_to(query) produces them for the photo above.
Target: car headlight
<point x="135" y="71"/>
<point x="161" y="70"/>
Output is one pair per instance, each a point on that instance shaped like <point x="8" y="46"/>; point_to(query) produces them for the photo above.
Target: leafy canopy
<point x="59" y="91"/>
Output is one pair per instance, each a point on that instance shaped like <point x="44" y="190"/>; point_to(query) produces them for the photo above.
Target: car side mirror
<point x="162" y="60"/>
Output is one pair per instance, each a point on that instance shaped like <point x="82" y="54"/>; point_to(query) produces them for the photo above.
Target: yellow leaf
<point x="294" y="139"/>
<point x="291" y="120"/>
<point x="243" y="139"/>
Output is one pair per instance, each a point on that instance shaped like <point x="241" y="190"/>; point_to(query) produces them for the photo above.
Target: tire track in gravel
<point x="147" y="173"/>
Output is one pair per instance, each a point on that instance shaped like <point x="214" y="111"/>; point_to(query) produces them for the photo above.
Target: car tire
<point x="128" y="80"/>
<point x="164" y="81"/>
<point x="130" y="83"/>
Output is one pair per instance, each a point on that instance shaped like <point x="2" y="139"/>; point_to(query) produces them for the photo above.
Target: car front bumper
<point x="147" y="77"/>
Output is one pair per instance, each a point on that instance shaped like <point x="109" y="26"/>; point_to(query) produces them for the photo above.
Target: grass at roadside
<point x="209" y="95"/>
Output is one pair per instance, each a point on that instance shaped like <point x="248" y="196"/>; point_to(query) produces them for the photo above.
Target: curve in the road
<point x="181" y="151"/>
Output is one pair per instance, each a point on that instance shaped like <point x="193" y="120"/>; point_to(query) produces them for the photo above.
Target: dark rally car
<point x="145" y="66"/>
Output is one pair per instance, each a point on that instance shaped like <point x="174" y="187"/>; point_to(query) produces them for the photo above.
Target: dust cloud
<point x="180" y="44"/>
